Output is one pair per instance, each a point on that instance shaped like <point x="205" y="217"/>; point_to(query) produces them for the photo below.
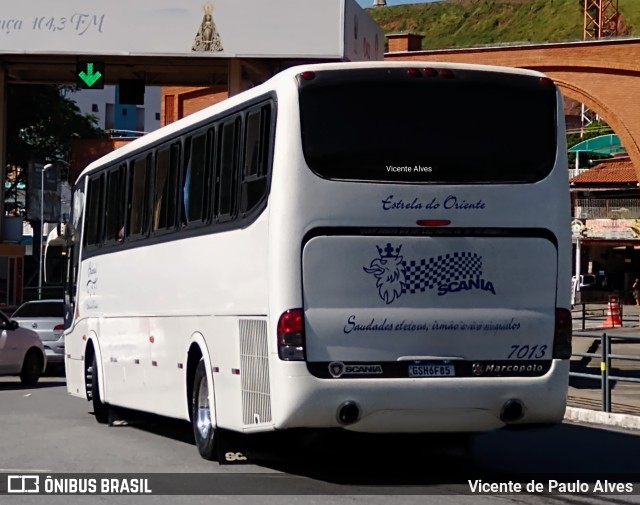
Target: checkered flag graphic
<point x="429" y="273"/>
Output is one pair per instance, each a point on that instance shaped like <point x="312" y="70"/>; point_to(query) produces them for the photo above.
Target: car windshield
<point x="40" y="309"/>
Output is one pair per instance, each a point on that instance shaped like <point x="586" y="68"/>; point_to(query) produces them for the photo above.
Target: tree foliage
<point x="467" y="23"/>
<point x="41" y="123"/>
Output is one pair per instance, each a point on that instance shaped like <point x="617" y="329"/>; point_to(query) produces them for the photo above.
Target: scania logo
<point x="336" y="368"/>
<point x="477" y="369"/>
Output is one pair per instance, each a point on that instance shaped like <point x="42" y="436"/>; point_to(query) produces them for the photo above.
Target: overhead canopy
<point x="327" y="29"/>
<point x="180" y="42"/>
<point x="604" y="144"/>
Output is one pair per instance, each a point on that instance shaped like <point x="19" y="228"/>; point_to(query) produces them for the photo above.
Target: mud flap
<point x="231" y="448"/>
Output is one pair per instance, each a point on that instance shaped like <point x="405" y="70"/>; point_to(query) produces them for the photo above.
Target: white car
<point x="21" y="352"/>
<point x="46" y="318"/>
<point x="587" y="281"/>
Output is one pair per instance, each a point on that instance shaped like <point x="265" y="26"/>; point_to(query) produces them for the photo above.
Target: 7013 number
<point x="527" y="352"/>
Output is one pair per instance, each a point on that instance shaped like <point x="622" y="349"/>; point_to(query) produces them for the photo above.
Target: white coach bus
<point x="379" y="247"/>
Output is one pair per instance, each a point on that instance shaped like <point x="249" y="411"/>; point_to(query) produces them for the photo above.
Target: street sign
<point x="90" y="74"/>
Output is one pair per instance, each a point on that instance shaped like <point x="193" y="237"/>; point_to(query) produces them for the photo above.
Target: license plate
<point x="432" y="370"/>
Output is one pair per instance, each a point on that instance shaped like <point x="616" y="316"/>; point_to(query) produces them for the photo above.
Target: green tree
<point x="41" y="123"/>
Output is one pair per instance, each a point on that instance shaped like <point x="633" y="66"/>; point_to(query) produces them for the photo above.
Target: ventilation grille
<point x="254" y="363"/>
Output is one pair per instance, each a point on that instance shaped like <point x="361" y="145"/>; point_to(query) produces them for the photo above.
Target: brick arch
<point x="618" y="125"/>
<point x="604" y="75"/>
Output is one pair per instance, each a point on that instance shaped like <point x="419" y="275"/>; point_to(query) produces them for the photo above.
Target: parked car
<point x="46" y="318"/>
<point x="21" y="352"/>
<point x="587" y="281"/>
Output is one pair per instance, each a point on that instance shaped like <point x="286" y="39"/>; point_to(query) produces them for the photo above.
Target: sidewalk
<point x="585" y="398"/>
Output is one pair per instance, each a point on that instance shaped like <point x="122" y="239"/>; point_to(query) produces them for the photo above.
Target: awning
<point x="604" y="144"/>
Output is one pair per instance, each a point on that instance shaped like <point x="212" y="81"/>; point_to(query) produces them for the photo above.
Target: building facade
<point x="606" y="227"/>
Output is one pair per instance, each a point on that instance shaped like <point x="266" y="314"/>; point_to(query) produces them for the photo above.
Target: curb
<point x="626" y="421"/>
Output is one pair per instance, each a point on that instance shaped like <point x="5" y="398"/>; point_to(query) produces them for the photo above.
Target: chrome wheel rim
<point x="203" y="416"/>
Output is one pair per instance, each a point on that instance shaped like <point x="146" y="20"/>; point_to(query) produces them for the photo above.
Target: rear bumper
<point x="54" y="356"/>
<point x="418" y="405"/>
<point x="54" y="350"/>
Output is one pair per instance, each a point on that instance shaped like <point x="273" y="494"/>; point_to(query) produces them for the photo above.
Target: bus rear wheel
<point x="204" y="429"/>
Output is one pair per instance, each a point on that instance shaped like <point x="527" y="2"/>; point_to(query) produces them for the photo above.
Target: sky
<point x="369" y="3"/>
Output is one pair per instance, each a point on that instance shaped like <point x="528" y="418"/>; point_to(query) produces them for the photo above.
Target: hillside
<point x="464" y="23"/>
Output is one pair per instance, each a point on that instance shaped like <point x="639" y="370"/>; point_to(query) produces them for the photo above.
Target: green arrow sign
<point x="90" y="75"/>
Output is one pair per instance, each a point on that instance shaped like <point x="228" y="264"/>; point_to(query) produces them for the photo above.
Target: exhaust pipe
<point x="348" y="412"/>
<point x="512" y="411"/>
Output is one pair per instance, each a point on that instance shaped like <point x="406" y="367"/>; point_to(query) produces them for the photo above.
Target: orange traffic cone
<point x="613" y="313"/>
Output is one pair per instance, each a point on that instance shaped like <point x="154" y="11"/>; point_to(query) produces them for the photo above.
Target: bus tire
<point x="100" y="409"/>
<point x="31" y="368"/>
<point x="204" y="430"/>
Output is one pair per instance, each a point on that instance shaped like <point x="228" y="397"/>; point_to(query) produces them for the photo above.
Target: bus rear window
<point x="388" y="125"/>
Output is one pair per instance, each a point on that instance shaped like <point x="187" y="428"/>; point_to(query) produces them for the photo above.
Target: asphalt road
<point x="43" y="430"/>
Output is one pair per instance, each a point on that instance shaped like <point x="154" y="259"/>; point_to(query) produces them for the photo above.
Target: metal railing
<point x="606" y="356"/>
<point x="574" y="172"/>
<point x="606" y="208"/>
<point x="598" y="314"/>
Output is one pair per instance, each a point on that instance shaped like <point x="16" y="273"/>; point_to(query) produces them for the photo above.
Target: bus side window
<point x="227" y="169"/>
<point x="255" y="159"/>
<point x="186" y="177"/>
<point x="165" y="194"/>
<point x="195" y="184"/>
<point x="95" y="211"/>
<point x="139" y="183"/>
<point x="115" y="204"/>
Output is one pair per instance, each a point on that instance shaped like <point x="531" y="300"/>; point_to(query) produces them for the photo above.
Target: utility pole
<point x="40" y="263"/>
<point x="601" y="19"/>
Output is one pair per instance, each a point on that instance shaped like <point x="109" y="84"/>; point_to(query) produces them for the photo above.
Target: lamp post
<point x="44" y="169"/>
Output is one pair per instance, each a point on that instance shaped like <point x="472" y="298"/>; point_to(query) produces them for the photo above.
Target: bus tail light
<point x="291" y="335"/>
<point x="562" y="335"/>
<point x="433" y="222"/>
<point x="307" y="75"/>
